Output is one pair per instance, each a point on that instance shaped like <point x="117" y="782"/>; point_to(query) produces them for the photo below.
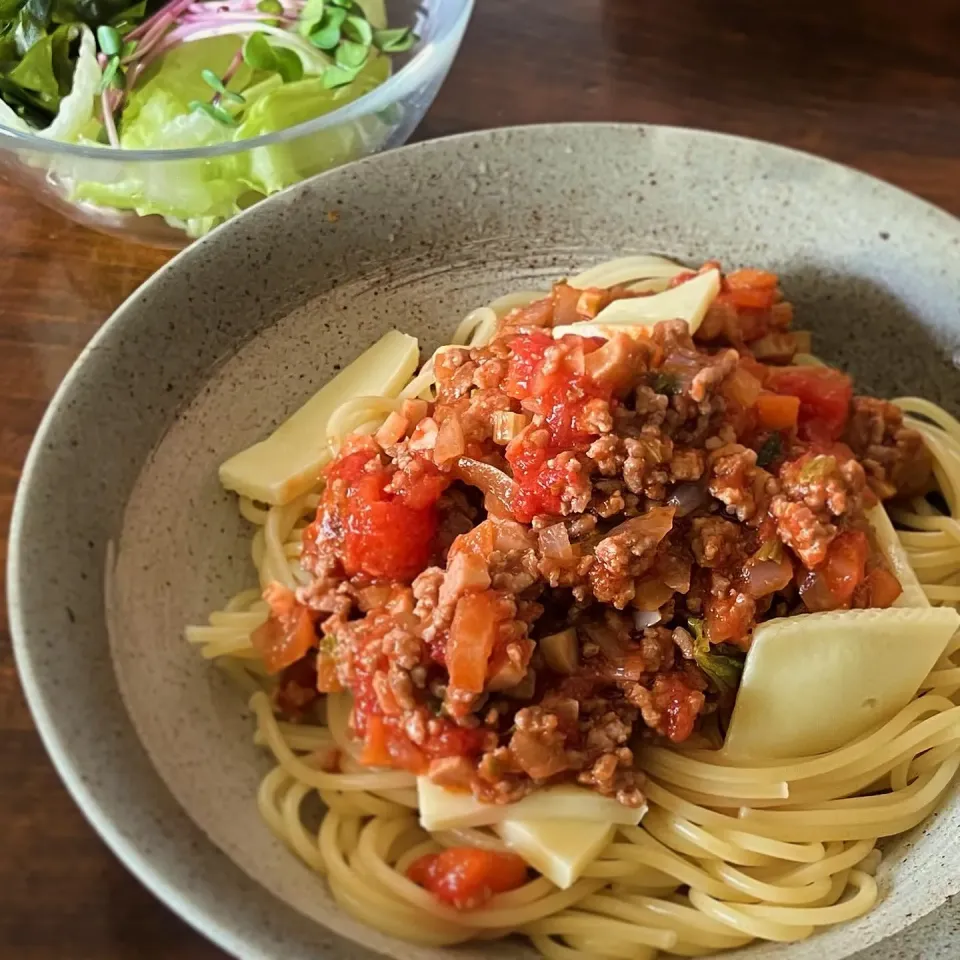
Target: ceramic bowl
<point x="120" y="488"/>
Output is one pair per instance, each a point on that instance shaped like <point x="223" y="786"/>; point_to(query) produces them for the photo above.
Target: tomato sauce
<point x="558" y="395"/>
<point x="388" y="529"/>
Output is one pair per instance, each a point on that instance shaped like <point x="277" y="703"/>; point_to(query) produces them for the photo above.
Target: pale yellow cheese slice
<point x="624" y="269"/>
<point x="815" y="682"/>
<point x="560" y="849"/>
<point x="889" y="543"/>
<point x="688" y="302"/>
<point x="442" y="809"/>
<point x="289" y="462"/>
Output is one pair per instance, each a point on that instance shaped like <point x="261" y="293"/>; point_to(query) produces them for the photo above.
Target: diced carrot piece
<point x="472" y="637"/>
<point x="749" y="278"/>
<point x="883" y="588"/>
<point x="777" y="411"/>
<point x="375" y="753"/>
<point x="754" y="298"/>
<point x="327" y="680"/>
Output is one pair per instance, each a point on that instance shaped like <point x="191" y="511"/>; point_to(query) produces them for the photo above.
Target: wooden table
<point x="875" y="84"/>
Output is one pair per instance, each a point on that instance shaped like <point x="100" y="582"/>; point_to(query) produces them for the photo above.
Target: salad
<point x="187" y="74"/>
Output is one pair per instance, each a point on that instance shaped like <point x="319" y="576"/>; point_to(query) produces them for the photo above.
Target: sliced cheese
<point x="636" y="315"/>
<point x="560" y="849"/>
<point x="889" y="543"/>
<point x="442" y="809"/>
<point x="289" y="462"/>
<point x="815" y="682"/>
<point x="624" y="269"/>
<point x="807" y="360"/>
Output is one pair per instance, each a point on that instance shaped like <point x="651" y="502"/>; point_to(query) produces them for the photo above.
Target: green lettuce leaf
<point x="196" y="195"/>
<point x="75" y="111"/>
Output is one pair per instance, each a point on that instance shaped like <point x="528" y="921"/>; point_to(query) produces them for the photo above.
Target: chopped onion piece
<point x="560" y="651"/>
<point x="497" y="487"/>
<point x="393" y="430"/>
<point x="687" y="497"/>
<point x="555" y="542"/>
<point x="450" y="442"/>
<point x="424" y="436"/>
<point x="646" y="618"/>
<point x="507" y="425"/>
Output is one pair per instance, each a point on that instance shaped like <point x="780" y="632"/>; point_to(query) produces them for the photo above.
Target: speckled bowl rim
<point x="42" y="709"/>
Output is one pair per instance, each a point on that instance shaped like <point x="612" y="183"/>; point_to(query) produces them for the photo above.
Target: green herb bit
<point x="770" y="451"/>
<point x="288" y="65"/>
<point x="129" y="49"/>
<point x="270" y="6"/>
<point x="666" y="383"/>
<point x="260" y="55"/>
<point x="212" y="80"/>
<point x="213" y="111"/>
<point x="110" y="41"/>
<point x="819" y="468"/>
<point x="394" y="41"/>
<point x="257" y="53"/>
<point x="112" y="76"/>
<point x="335" y="76"/>
<point x="351" y="55"/>
<point x="326" y="36"/>
<point x="722" y="663"/>
<point x="771" y="549"/>
<point x="358" y="29"/>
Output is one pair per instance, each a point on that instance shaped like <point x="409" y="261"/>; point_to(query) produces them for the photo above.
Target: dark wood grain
<point x="873" y="84"/>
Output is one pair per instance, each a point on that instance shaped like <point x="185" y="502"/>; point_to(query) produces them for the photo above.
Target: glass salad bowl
<point x="180" y="171"/>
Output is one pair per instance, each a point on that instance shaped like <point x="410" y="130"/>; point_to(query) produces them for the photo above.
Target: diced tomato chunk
<point x="454" y="741"/>
<point x="387" y="534"/>
<point x="465" y="877"/>
<point x="845" y="564"/>
<point x="287" y="634"/>
<point x="559" y="397"/>
<point x="679" y="704"/>
<point x="880" y="588"/>
<point x="831" y="585"/>
<point x="728" y="619"/>
<point x="824" y="394"/>
<point x="385" y="745"/>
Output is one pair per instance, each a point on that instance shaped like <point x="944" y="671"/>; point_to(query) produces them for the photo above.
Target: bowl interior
<point x="242" y="328"/>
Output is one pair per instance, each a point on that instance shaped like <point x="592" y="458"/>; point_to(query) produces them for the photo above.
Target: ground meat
<point x="806" y="534"/>
<point x="296" y="693"/>
<point x="622" y="557"/>
<point x="687" y="464"/>
<point x="826" y="484"/>
<point x="607" y="454"/>
<point x="895" y="458"/>
<point x="715" y="540"/>
<point x="645" y="469"/>
<point x="625" y="493"/>
<point x="738" y="483"/>
<point x="815" y="491"/>
<point x="706" y="380"/>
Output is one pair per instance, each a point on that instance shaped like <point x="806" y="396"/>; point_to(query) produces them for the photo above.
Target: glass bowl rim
<point x="390" y="91"/>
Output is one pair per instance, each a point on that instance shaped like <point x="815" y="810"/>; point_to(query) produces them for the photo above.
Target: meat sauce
<point x="527" y="605"/>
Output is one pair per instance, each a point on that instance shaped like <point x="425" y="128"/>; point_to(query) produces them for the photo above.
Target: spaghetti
<point x="729" y="851"/>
